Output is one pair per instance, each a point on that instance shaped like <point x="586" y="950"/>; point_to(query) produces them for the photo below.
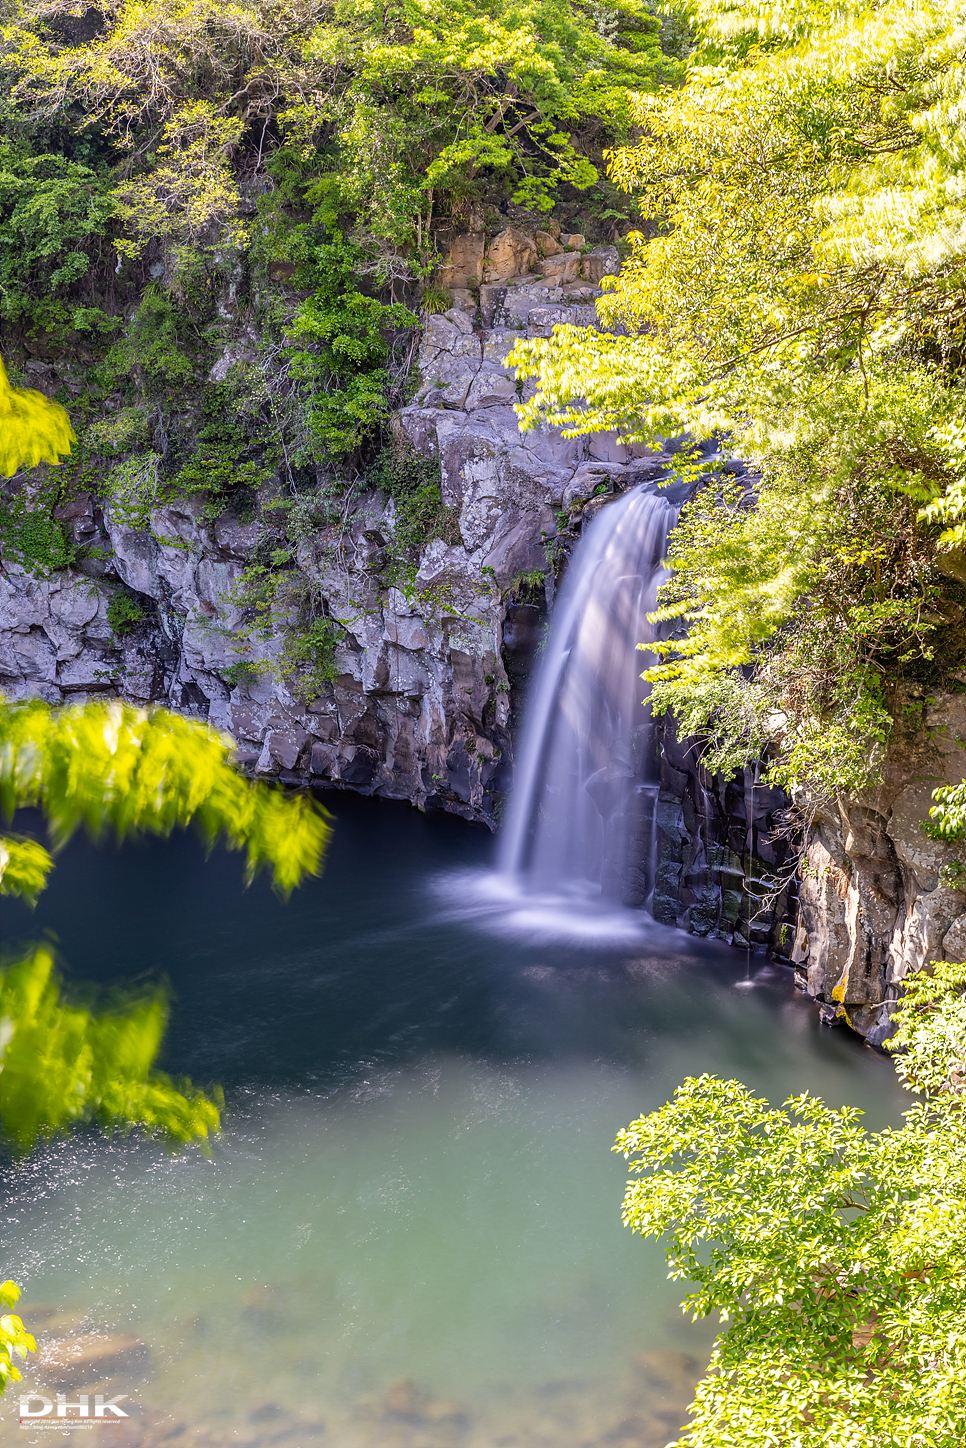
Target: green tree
<point x="396" y="105"/>
<point x="836" y="1256"/>
<point x="339" y="348"/>
<point x="801" y="299"/>
<point x="53" y="214"/>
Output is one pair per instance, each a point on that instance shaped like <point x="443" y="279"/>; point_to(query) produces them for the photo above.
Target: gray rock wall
<point x="878" y="897"/>
<point x="726" y="853"/>
<point x="420" y="707"/>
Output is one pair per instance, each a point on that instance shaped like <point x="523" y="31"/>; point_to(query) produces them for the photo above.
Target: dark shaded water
<point x="410" y="1231"/>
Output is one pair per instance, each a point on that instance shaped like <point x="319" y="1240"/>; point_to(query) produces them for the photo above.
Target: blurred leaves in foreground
<point x="102" y="765"/>
<point x="14" y="1341"/>
<point x="61" y="1064"/>
<point x="32" y="428"/>
<point x="111" y="765"/>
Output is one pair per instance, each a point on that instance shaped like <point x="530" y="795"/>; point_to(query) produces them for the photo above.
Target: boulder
<point x="954" y="941"/>
<point x="285" y="746"/>
<point x="518" y="546"/>
<point x="561" y="269"/>
<point x="547" y="244"/>
<point x="463" y="299"/>
<point x="465" y="261"/>
<point x="490" y="387"/>
<point x="460" y="320"/>
<point x="603" y="261"/>
<point x="71" y="1361"/>
<point x="235" y="538"/>
<point x="509" y="254"/>
<point x="75" y="603"/>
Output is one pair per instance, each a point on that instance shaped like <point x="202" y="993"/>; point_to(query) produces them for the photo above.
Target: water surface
<point x="409" y="1233"/>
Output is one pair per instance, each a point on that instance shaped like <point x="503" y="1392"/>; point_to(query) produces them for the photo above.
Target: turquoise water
<point x="409" y="1232"/>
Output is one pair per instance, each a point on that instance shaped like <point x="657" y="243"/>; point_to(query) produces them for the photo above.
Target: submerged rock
<point x="72" y="1361"/>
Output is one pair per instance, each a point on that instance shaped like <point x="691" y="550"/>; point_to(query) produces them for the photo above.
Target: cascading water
<point x="577" y="847"/>
<point x="585" y="782"/>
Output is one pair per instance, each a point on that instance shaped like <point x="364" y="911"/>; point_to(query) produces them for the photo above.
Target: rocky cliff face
<point x="419" y="708"/>
<point x="878" y="898"/>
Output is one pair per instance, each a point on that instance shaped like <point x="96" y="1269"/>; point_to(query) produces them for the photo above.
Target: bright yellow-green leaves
<point x="947" y="816"/>
<point x="15" y="1342"/>
<point x="802" y="296"/>
<point x="781" y="179"/>
<point x="930" y="1040"/>
<point x="62" y="1064"/>
<point x="111" y="765"/>
<point x="835" y="1257"/>
<point x="24" y="867"/>
<point x="191" y="189"/>
<point x="482" y="80"/>
<point x="32" y="429"/>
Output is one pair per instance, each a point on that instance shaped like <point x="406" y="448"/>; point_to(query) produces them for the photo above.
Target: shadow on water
<point x="410" y="1229"/>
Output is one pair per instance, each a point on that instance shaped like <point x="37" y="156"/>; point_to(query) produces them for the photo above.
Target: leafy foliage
<point x="341" y="349"/>
<point x="24" y="867"/>
<point x="15" y="1341"/>
<point x="113" y="765"/>
<point x="63" y="1064"/>
<point x="32" y="429"/>
<point x="803" y="297"/>
<point x="123" y="612"/>
<point x="948" y="814"/>
<point x="414" y="483"/>
<point x="308" y="656"/>
<point x="395" y="104"/>
<point x="238" y="675"/>
<point x="836" y="1256"/>
<point x="116" y="766"/>
<point x="930" y="1037"/>
<point x="32" y="537"/>
<point x="53" y="211"/>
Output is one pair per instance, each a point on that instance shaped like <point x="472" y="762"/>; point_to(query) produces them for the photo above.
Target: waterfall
<point x="581" y="816"/>
<point x="578" y="844"/>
